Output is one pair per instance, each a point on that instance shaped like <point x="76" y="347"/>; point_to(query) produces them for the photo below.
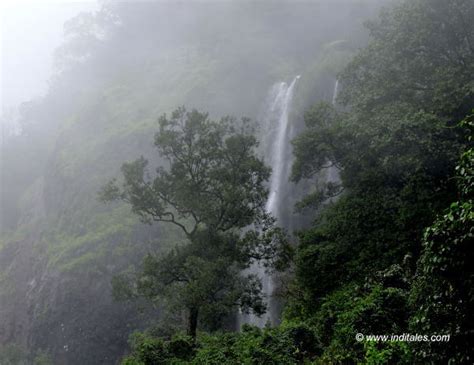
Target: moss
<point x="67" y="251"/>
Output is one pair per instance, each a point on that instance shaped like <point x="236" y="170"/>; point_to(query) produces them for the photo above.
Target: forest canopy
<point x="376" y="258"/>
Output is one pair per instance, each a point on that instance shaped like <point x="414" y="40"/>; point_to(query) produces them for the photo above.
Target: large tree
<point x="210" y="185"/>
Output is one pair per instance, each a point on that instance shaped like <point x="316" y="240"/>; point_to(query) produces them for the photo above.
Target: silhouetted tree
<point x="211" y="187"/>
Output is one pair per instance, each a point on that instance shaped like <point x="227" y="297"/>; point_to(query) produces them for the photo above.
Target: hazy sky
<point x="29" y="33"/>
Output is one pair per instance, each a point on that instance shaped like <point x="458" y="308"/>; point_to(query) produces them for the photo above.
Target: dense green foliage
<point x="442" y="291"/>
<point x="286" y="345"/>
<point x="118" y="68"/>
<point x="396" y="143"/>
<point x="211" y="187"/>
<point x="369" y="264"/>
<point x="388" y="251"/>
<point x="213" y="180"/>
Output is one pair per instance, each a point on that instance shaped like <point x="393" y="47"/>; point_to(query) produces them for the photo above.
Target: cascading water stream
<point x="333" y="173"/>
<point x="334" y="94"/>
<point x="279" y="150"/>
<point x="276" y="143"/>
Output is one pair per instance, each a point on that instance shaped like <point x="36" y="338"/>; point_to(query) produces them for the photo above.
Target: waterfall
<point x="332" y="172"/>
<point x="276" y="143"/>
<point x="279" y="146"/>
<point x="334" y="94"/>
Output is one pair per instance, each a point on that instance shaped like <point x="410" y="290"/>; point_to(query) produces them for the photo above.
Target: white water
<point x="276" y="143"/>
<point x="333" y="173"/>
<point x="334" y="94"/>
<point x="279" y="146"/>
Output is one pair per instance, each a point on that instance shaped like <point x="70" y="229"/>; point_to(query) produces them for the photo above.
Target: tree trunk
<point x="193" y="320"/>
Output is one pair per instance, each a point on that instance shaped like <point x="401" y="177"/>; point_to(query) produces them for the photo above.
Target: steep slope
<point x="118" y="71"/>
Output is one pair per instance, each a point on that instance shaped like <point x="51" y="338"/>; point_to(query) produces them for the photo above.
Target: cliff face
<point x="57" y="263"/>
<point x="59" y="246"/>
<point x="58" y="257"/>
<point x="56" y="267"/>
<point x="20" y="269"/>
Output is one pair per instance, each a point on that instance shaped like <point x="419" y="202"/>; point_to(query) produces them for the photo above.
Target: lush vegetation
<point x="369" y="264"/>
<point x="120" y="67"/>
<point x="287" y="344"/>
<point x="389" y="251"/>
<point x="387" y="248"/>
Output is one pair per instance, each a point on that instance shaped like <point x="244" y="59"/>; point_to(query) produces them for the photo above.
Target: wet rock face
<point x="73" y="318"/>
<point x="14" y="324"/>
<point x="79" y="321"/>
<point x="69" y="314"/>
<point x="19" y="268"/>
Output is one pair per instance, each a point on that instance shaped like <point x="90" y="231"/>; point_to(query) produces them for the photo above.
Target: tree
<point x="442" y="292"/>
<point x="396" y="143"/>
<point x="211" y="185"/>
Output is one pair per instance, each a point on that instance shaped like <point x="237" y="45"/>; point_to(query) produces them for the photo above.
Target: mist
<point x="253" y="182"/>
<point x="31" y="31"/>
